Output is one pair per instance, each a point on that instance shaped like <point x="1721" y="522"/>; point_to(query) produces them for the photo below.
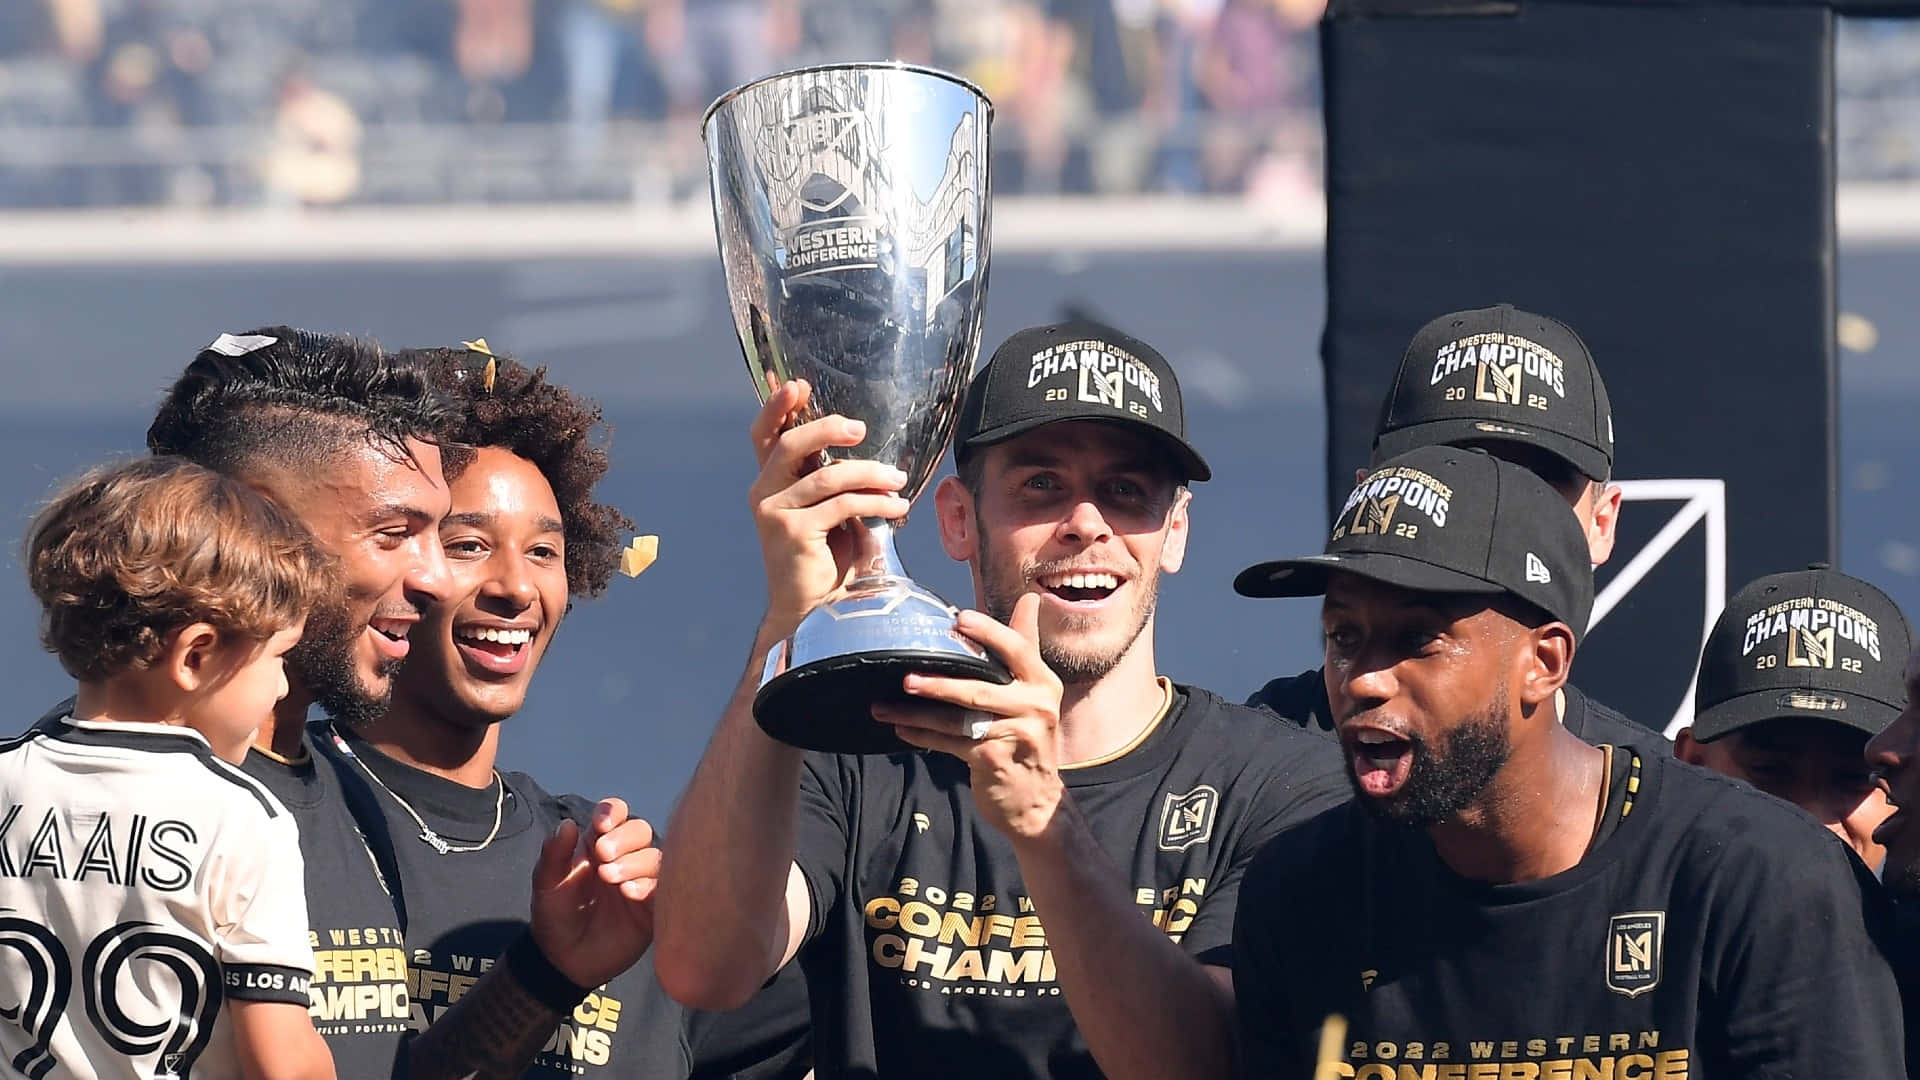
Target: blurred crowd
<point x="116" y="102"/>
<point x="324" y="102"/>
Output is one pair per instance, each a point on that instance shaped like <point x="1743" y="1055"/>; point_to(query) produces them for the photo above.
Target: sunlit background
<point x="531" y="171"/>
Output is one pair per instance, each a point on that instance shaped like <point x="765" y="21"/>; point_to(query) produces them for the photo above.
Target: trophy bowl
<point x="851" y="205"/>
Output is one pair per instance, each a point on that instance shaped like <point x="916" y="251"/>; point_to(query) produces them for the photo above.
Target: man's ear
<point x="1547" y="662"/>
<point x="1606" y="523"/>
<point x="1687" y="748"/>
<point x="1359" y="476"/>
<point x="1173" y="554"/>
<point x="953" y="505"/>
<point x="190" y="658"/>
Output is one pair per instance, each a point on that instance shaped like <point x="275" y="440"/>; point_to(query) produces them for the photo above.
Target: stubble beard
<point x="1445" y="781"/>
<point x="1074" y="667"/>
<point x="323" y="664"/>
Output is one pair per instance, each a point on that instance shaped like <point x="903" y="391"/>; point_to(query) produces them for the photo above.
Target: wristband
<point x="542" y="981"/>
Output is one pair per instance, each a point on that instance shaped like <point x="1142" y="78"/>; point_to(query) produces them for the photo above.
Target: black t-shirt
<point x="768" y="1038"/>
<point x="1900" y="932"/>
<point x="463" y="908"/>
<point x="360" y="996"/>
<point x="1714" y="933"/>
<point x="925" y="957"/>
<point x="1599" y="725"/>
<point x="1301" y="700"/>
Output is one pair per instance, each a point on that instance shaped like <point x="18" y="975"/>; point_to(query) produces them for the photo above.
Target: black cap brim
<point x="1308" y="576"/>
<point x="1185" y="457"/>
<point x="1863" y="714"/>
<point x="1453" y="431"/>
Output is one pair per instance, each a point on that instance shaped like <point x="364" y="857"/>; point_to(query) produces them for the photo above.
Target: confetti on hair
<point x="479" y="345"/>
<point x="229" y="345"/>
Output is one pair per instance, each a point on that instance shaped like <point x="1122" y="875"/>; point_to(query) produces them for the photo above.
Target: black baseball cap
<point x="1449" y="520"/>
<point x="1075" y="371"/>
<point x="1499" y="374"/>
<point x="1812" y="643"/>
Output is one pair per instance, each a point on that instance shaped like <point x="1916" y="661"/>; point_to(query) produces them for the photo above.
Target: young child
<point x="152" y="917"/>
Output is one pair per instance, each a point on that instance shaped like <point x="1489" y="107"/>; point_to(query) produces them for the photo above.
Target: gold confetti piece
<point x="479" y="345"/>
<point x="639" y="555"/>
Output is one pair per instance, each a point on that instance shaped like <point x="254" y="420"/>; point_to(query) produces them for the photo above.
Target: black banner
<point x="1659" y="178"/>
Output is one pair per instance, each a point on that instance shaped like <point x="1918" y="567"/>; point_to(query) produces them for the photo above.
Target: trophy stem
<point x="880" y="560"/>
<point x="818" y="687"/>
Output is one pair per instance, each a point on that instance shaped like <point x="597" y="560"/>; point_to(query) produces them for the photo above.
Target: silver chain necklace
<point x="427" y="835"/>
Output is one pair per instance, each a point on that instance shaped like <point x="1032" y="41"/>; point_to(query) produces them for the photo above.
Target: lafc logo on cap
<point x="1374" y="515"/>
<point x="1503" y="364"/>
<point x="1186" y="820"/>
<point x="1371" y="508"/>
<point x="1814" y="627"/>
<point x="1810" y="648"/>
<point x="1105" y="372"/>
<point x="1504" y="380"/>
<point x="1634" y="942"/>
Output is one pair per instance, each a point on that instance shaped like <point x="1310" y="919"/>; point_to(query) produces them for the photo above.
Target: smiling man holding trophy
<point x="1015" y="847"/>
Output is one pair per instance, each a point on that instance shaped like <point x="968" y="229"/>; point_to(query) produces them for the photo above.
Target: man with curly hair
<point x="524" y="534"/>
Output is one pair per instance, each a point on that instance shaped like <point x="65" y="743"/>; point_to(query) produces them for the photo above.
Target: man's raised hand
<point x="799" y="505"/>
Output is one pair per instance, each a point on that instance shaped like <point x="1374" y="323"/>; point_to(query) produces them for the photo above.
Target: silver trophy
<point x="851" y="206"/>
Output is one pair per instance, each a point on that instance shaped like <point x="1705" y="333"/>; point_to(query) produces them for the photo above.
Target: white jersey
<point x="143" y="883"/>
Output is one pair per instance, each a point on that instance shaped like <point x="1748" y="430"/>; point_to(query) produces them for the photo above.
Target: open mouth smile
<point x="494" y="650"/>
<point x="1080" y="586"/>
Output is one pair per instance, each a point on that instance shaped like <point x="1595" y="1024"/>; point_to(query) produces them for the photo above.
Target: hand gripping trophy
<point x="852" y="212"/>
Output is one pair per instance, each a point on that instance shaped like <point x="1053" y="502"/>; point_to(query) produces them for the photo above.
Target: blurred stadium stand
<point x="409" y="102"/>
<point x="324" y="102"/>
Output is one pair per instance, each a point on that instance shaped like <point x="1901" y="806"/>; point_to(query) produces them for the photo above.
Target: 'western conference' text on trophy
<point x="851" y="206"/>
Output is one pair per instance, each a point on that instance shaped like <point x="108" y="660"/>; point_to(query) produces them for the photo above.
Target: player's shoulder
<point x="555" y="808"/>
<point x="1308" y="853"/>
<point x="1299" y="700"/>
<point x="49" y="721"/>
<point x="1257" y="736"/>
<point x="246" y="796"/>
<point x="176" y="759"/>
<point x="1728" y="823"/>
<point x="1597" y="723"/>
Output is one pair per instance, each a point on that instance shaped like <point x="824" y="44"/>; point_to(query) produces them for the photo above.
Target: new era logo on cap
<point x="1537" y="570"/>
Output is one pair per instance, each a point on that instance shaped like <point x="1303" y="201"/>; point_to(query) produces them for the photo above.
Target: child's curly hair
<point x="129" y="554"/>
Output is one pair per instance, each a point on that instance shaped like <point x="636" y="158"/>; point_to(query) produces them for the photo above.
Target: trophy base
<point x="818" y="687"/>
<point x="824" y="706"/>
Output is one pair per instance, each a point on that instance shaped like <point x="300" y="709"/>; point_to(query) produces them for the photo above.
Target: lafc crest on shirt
<point x="1634" y="951"/>
<point x="1186" y="820"/>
